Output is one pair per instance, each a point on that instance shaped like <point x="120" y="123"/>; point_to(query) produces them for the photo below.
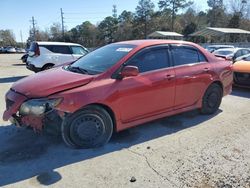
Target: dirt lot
<point x="187" y="150"/>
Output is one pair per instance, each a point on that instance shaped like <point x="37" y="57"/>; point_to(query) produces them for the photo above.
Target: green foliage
<point x="143" y="14"/>
<point x="174" y="6"/>
<point x="7" y="38"/>
<point x="107" y="29"/>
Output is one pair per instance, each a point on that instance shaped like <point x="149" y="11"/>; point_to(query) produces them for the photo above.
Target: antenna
<point x="62" y="18"/>
<point x="114" y="11"/>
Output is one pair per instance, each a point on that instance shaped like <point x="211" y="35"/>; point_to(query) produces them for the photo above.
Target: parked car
<point x="231" y="53"/>
<point x="244" y="57"/>
<point x="212" y="48"/>
<point x="45" y="55"/>
<point x="10" y="49"/>
<point x="241" y="70"/>
<point x="119" y="86"/>
<point x="20" y="50"/>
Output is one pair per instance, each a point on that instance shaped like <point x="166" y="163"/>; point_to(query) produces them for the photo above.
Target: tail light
<point x="37" y="50"/>
<point x="34" y="50"/>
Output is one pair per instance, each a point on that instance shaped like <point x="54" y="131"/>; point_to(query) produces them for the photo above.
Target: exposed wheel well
<point x="219" y="84"/>
<point x="48" y="64"/>
<point x="109" y="110"/>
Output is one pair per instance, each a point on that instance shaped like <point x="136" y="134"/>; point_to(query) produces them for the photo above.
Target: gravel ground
<point x="186" y="150"/>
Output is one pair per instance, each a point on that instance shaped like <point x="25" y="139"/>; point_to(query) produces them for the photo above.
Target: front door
<point x="152" y="91"/>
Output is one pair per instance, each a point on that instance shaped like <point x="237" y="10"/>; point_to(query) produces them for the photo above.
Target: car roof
<point x="151" y="42"/>
<point x="218" y="45"/>
<point x="57" y="43"/>
<point x="230" y="49"/>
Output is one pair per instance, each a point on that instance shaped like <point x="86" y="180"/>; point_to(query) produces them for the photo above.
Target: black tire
<point x="212" y="99"/>
<point x="46" y="67"/>
<point x="90" y="127"/>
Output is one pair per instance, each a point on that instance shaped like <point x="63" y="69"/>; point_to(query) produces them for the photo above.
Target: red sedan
<point x="119" y="86"/>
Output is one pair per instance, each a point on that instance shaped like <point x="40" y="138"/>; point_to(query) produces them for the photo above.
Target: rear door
<point x="78" y="51"/>
<point x="193" y="73"/>
<point x="152" y="91"/>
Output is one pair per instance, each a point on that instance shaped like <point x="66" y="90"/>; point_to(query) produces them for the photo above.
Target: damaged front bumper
<point x="38" y="114"/>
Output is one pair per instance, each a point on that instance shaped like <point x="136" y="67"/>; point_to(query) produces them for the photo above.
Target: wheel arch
<point x="219" y="83"/>
<point x="48" y="64"/>
<point x="109" y="110"/>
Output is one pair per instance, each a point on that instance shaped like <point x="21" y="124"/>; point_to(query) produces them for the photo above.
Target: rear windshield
<point x="33" y="47"/>
<point x="103" y="58"/>
<point x="224" y="52"/>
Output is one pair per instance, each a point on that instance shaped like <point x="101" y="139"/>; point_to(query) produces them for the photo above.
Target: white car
<point x="231" y="53"/>
<point x="45" y="55"/>
<point x="10" y="49"/>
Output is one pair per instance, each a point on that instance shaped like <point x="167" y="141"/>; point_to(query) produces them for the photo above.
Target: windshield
<point x="103" y="58"/>
<point x="224" y="52"/>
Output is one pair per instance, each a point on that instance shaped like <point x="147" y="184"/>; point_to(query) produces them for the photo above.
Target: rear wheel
<point x="88" y="128"/>
<point x="211" y="99"/>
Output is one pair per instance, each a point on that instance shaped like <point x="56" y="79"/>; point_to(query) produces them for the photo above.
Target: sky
<point x="16" y="15"/>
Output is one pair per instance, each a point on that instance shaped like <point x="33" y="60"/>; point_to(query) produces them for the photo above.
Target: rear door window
<point x="186" y="55"/>
<point x="58" y="49"/>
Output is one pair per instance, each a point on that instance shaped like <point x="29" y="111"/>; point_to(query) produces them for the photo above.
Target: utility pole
<point x="62" y="18"/>
<point x="33" y="22"/>
<point x="114" y="11"/>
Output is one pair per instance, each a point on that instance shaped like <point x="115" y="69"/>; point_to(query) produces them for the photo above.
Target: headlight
<point x="38" y="106"/>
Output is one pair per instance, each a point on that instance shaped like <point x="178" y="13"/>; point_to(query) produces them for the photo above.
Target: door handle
<point x="206" y="69"/>
<point x="170" y="76"/>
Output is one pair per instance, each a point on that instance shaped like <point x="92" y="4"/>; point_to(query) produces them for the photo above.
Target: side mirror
<point x="129" y="71"/>
<point x="31" y="54"/>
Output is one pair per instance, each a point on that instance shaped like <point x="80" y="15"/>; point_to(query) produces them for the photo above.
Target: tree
<point x="190" y="28"/>
<point x="234" y="22"/>
<point x="107" y="29"/>
<point x="216" y="14"/>
<point x="125" y="26"/>
<point x="7" y="38"/>
<point x="215" y="3"/>
<point x="174" y="6"/>
<point x="144" y="11"/>
<point x="56" y="32"/>
<point x="126" y="16"/>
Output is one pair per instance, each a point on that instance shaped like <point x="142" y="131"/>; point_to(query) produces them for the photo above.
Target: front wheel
<point x="211" y="99"/>
<point x="88" y="128"/>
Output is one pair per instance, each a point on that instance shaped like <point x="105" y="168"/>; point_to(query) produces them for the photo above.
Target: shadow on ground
<point x="10" y="79"/>
<point x="24" y="154"/>
<point x="19" y="64"/>
<point x="241" y="92"/>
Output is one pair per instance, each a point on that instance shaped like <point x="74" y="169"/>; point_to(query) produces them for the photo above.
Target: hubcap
<point x="212" y="100"/>
<point x="87" y="128"/>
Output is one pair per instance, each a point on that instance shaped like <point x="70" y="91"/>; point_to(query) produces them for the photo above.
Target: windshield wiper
<point x="78" y="69"/>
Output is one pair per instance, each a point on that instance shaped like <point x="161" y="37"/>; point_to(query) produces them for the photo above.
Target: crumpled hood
<point x="48" y="82"/>
<point x="241" y="66"/>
